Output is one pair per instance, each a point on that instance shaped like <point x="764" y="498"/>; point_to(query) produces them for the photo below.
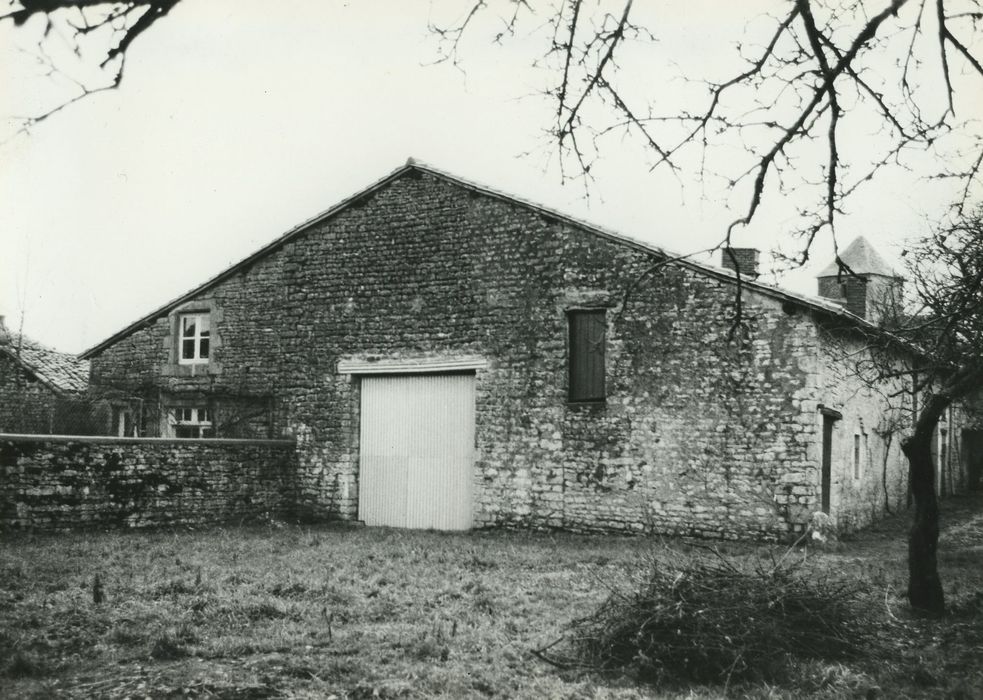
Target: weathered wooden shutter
<point x="587" y="341"/>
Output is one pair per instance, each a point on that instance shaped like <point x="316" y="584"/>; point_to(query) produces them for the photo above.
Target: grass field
<point x="292" y="611"/>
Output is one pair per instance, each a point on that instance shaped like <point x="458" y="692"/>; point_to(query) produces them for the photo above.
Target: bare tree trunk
<point x="924" y="585"/>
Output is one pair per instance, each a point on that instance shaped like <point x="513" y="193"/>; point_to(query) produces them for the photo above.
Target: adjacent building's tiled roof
<point x="817" y="303"/>
<point x="61" y="371"/>
<point x="859" y="258"/>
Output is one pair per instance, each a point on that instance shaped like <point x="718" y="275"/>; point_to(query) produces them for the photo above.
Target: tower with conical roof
<point x="861" y="281"/>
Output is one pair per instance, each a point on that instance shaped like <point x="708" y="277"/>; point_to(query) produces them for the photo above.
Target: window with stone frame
<point x="587" y="355"/>
<point x="194" y="341"/>
<point x="192" y="422"/>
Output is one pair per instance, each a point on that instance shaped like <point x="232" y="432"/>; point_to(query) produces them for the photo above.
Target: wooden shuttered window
<point x="587" y="340"/>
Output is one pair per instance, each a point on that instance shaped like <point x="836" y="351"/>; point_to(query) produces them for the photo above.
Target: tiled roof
<point x="817" y="303"/>
<point x="61" y="371"/>
<point x="862" y="259"/>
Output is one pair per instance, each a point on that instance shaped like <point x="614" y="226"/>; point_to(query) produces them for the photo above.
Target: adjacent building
<point x="39" y="386"/>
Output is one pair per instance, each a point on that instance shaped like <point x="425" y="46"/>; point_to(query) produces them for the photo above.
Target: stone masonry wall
<point x="876" y="416"/>
<point x="26" y="404"/>
<point x="58" y="482"/>
<point x="701" y="433"/>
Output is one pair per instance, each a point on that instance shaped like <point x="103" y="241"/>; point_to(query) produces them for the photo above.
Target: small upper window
<point x="193" y="338"/>
<point x="587" y="341"/>
<point x="193" y="423"/>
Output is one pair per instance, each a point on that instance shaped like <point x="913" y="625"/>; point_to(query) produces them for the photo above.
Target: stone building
<point x="37" y="384"/>
<point x="449" y="356"/>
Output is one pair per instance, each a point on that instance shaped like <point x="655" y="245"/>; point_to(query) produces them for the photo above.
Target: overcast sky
<point x="233" y="123"/>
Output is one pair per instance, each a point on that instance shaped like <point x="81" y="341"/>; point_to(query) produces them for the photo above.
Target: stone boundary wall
<point x="59" y="482"/>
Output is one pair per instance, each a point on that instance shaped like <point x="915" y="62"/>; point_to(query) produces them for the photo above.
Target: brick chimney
<point x="747" y="261"/>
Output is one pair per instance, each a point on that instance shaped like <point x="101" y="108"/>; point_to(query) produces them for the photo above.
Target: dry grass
<point x="291" y="611"/>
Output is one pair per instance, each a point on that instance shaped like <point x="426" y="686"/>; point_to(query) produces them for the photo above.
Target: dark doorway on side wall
<point x="829" y="419"/>
<point x="972" y="444"/>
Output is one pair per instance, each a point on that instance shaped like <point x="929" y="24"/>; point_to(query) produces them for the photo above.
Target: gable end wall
<point x="699" y="435"/>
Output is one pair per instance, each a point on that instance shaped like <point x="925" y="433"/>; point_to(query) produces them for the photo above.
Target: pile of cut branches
<point x="701" y="618"/>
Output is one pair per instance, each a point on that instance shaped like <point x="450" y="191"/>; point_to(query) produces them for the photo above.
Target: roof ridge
<point x="620" y="237"/>
<point x="418" y="164"/>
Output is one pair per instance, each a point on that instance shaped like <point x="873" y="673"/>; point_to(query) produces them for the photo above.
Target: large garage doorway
<point x="416" y="454"/>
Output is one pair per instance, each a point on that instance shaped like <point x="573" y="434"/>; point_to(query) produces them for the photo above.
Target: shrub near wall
<point x="70" y="482"/>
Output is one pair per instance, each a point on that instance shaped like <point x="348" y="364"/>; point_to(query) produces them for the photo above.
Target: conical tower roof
<point x="862" y="258"/>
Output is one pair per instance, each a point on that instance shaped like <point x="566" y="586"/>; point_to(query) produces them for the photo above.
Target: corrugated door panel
<point x="382" y="474"/>
<point x="417" y="451"/>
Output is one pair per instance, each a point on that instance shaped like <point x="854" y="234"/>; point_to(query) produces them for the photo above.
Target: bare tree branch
<point x="123" y="22"/>
<point x="819" y="72"/>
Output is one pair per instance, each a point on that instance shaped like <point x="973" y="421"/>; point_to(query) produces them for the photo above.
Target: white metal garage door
<point x="417" y="451"/>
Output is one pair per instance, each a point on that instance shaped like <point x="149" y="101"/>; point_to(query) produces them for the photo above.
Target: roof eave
<point x="411" y="164"/>
<point x="245" y="262"/>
